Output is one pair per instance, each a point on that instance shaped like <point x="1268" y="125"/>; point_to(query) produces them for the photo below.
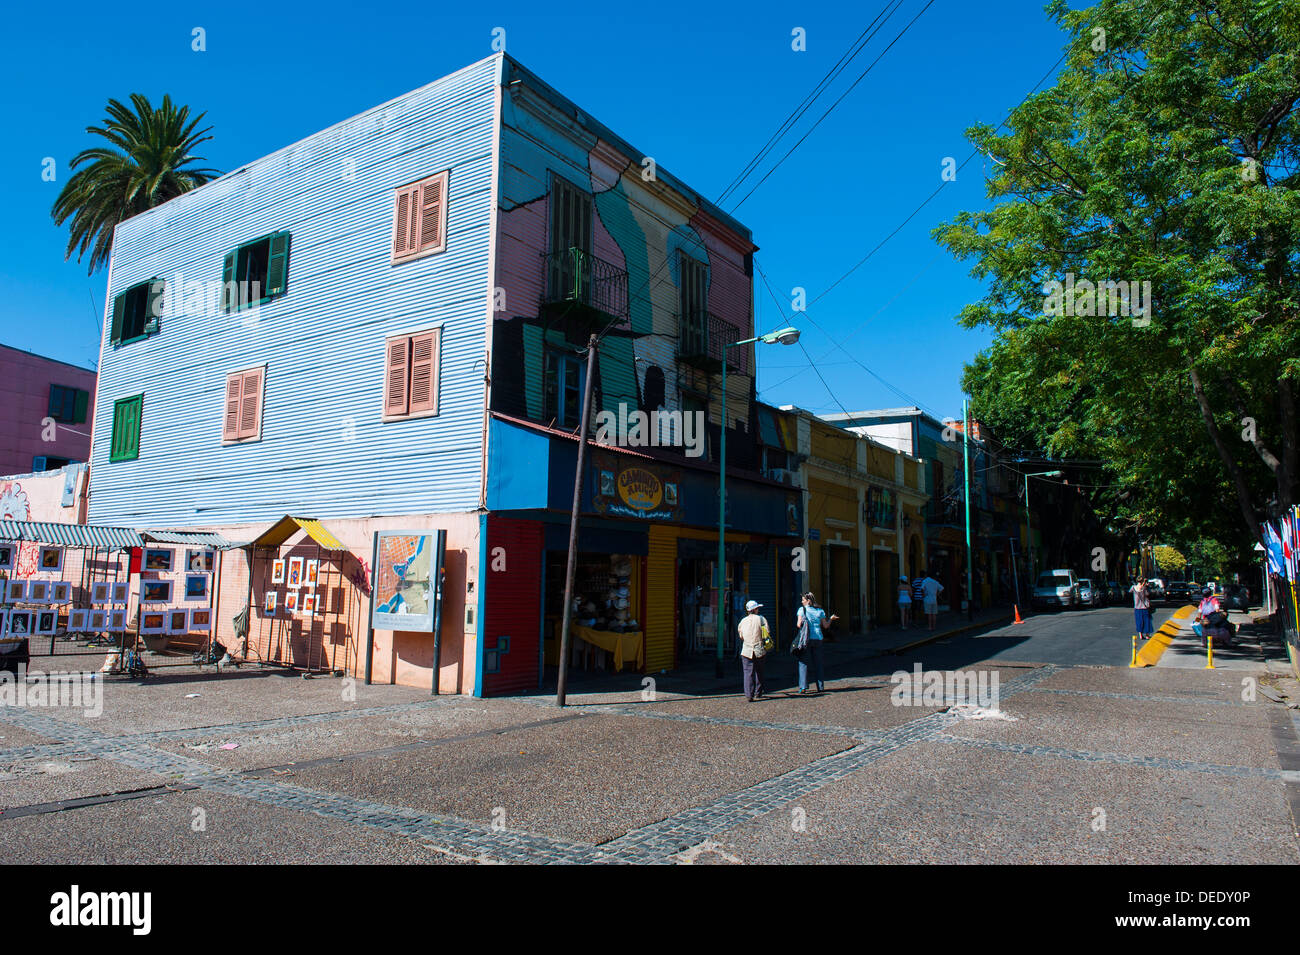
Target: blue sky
<point x="699" y="92"/>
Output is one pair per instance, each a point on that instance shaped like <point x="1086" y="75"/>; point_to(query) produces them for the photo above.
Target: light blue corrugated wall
<point x="324" y="449"/>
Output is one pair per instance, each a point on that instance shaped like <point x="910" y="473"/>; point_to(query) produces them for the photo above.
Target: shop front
<point x="647" y="589"/>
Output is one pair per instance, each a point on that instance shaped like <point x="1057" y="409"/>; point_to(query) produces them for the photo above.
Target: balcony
<point x="703" y="340"/>
<point x="588" y="293"/>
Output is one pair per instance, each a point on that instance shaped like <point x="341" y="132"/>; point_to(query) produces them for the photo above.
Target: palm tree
<point x="152" y="166"/>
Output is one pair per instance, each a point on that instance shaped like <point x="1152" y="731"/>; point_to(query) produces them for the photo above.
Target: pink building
<point x="46" y="405"/>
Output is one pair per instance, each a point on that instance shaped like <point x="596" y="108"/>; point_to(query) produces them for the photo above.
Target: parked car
<point x="1235" y="597"/>
<point x="1056" y="589"/>
<point x="1089" y="595"/>
<point x="1179" y="592"/>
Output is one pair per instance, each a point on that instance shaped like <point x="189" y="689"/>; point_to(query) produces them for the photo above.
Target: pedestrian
<point x="812" y="622"/>
<point x="930" y="590"/>
<point x="1142" y="608"/>
<point x="904" y="601"/>
<point x="754" y="637"/>
<point x="918" y="593"/>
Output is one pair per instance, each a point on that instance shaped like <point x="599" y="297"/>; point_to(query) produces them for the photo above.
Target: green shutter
<point x="277" y="270"/>
<point x="126" y="429"/>
<point x="228" y="281"/>
<point x="82" y="406"/>
<point x="119" y="317"/>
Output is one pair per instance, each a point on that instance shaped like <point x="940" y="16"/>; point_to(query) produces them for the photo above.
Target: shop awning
<point x="287" y="526"/>
<point x="192" y="538"/>
<point x="70" y="535"/>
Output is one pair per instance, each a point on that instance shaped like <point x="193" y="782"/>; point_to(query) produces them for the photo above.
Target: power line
<point x="797" y="113"/>
<point x="860" y="78"/>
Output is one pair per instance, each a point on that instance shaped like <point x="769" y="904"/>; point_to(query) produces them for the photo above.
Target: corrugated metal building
<point x="312" y="333"/>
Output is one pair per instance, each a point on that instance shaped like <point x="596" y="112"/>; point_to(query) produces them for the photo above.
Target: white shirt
<point x="931" y="588"/>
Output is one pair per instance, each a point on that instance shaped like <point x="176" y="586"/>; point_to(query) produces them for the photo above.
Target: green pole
<point x="965" y="452"/>
<point x="722" y="519"/>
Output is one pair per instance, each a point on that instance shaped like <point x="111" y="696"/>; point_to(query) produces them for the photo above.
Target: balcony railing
<point x="703" y="338"/>
<point x="579" y="285"/>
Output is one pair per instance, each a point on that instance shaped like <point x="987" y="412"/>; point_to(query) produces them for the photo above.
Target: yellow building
<point x="864" y="506"/>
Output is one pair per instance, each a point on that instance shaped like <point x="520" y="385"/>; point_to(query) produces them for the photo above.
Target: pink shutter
<point x="395" y="371"/>
<point x="230" y="429"/>
<point x="432" y="211"/>
<point x="424" y="372"/>
<point x="250" y="409"/>
<point x="406" y="222"/>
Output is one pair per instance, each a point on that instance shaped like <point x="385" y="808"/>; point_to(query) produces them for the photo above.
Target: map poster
<point x="405" y="585"/>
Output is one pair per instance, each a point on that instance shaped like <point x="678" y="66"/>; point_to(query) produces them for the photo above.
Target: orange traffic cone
<point x="1017" y="620"/>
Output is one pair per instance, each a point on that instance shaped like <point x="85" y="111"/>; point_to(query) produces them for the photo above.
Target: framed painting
<point x="309" y="574"/>
<point x="7" y="555"/>
<point x="153" y="621"/>
<point x="196" y="586"/>
<point x="308" y="604"/>
<point x="295" y="572"/>
<point x="158" y="558"/>
<point x="15" y="591"/>
<point x="60" y="592"/>
<point x="269" y="603"/>
<point x="101" y="592"/>
<point x="38" y="591"/>
<point x="50" y="560"/>
<point x="77" y="620"/>
<point x="291" y="602"/>
<point x="98" y="620"/>
<point x="201" y="619"/>
<point x="178" y="621"/>
<point x="277" y="570"/>
<point x="155" y="591"/>
<point x="117" y="620"/>
<point x="199" y="561"/>
<point x="20" y="623"/>
<point x="47" y="621"/>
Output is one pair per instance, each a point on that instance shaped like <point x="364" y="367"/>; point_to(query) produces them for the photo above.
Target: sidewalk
<point x="696" y="674"/>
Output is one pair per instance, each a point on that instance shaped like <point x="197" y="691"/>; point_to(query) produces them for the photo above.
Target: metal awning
<point x="70" y="535"/>
<point x="287" y="526"/>
<point x="193" y="538"/>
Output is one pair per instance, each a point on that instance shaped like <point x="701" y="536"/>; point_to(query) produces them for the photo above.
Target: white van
<point x="1056" y="589"/>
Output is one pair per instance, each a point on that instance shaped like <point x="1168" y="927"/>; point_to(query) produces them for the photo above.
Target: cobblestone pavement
<point x="678" y="779"/>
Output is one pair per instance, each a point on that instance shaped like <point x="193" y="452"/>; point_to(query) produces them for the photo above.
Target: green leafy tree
<point x="1168" y="152"/>
<point x="1168" y="559"/>
<point x="148" y="159"/>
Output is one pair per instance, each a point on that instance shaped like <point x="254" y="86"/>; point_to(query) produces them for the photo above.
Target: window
<point x="45" y="462"/>
<point x="125" y="445"/>
<point x="411" y="375"/>
<point x="136" y="312"/>
<point x="243" y="407"/>
<point x="68" y="405"/>
<point x="255" y="272"/>
<point x="695" y="299"/>
<point x="562" y="386"/>
<point x="420" y="218"/>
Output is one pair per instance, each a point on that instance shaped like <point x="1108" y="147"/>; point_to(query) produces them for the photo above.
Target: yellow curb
<point x="1151" y="651"/>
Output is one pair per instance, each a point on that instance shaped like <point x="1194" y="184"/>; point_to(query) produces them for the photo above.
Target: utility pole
<point x="572" y="566"/>
<point x="965" y="452"/>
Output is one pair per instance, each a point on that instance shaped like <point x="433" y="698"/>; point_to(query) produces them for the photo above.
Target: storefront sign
<point x="635" y="490"/>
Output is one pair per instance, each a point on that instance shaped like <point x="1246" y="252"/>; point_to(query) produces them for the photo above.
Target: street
<point x="1082" y="760"/>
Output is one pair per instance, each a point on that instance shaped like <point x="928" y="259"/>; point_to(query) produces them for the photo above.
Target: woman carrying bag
<point x="812" y="622"/>
<point x="755" y="641"/>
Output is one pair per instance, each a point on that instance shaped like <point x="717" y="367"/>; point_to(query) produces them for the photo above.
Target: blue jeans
<point x="811" y="656"/>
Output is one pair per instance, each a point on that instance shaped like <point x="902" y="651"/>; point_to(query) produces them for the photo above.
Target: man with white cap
<point x="753" y="632"/>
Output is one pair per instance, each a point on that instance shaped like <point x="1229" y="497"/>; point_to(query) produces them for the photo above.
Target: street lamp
<point x="782" y="336"/>
<point x="1029" y="530"/>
